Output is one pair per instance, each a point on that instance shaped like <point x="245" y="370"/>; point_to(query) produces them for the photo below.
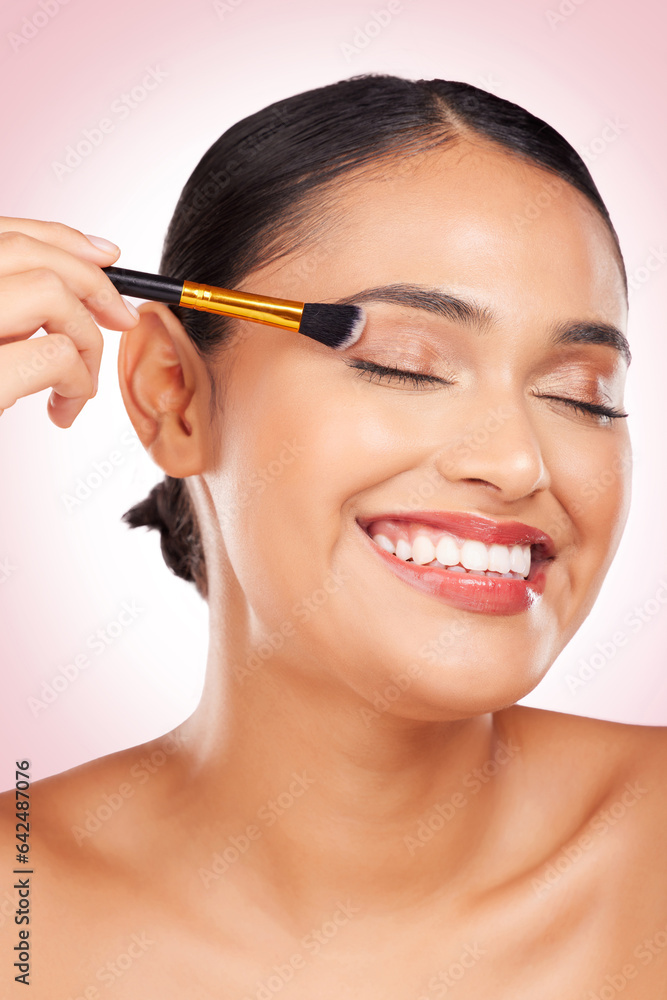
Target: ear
<point x="166" y="390"/>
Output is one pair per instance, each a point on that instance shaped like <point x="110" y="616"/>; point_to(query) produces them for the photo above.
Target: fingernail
<point x="130" y="308"/>
<point x="106" y="245"/>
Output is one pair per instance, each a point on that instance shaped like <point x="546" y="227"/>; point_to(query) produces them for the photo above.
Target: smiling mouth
<point x="512" y="556"/>
<point x="470" y="561"/>
<point x="444" y="551"/>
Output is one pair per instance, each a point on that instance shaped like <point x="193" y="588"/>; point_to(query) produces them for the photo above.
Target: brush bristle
<point x="337" y="326"/>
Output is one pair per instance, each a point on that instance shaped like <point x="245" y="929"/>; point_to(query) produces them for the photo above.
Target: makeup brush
<point x="337" y="326"/>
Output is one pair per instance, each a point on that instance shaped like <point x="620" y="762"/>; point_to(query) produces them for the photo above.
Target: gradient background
<point x="65" y="572"/>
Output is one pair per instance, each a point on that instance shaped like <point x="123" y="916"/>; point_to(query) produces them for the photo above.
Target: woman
<point x="395" y="543"/>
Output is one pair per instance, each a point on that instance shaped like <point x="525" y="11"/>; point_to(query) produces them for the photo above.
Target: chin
<point x="446" y="678"/>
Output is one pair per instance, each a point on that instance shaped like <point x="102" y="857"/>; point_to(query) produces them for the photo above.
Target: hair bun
<point x="169" y="509"/>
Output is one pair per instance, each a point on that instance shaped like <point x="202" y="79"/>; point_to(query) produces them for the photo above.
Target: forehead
<point x="471" y="218"/>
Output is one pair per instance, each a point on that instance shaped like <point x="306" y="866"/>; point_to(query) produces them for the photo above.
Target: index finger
<point x="93" y="248"/>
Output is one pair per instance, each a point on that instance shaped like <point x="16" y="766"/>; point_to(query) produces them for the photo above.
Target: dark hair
<point x="259" y="193"/>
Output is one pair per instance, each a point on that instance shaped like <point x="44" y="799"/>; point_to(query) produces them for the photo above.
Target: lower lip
<point x="489" y="595"/>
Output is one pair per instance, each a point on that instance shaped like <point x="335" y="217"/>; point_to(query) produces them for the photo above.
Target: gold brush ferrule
<point x="258" y="308"/>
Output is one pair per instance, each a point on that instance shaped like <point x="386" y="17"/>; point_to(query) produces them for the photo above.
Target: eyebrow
<point x="467" y="312"/>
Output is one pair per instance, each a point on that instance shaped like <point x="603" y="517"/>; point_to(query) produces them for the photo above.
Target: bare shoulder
<point x="90" y="831"/>
<point x="597" y="754"/>
<point x="84" y="811"/>
<point x="545" y="726"/>
<point x="602" y="740"/>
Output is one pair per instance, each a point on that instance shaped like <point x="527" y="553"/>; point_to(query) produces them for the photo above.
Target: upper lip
<point x="474" y="526"/>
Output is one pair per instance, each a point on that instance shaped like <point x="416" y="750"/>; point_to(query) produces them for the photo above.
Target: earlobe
<point x="163" y="381"/>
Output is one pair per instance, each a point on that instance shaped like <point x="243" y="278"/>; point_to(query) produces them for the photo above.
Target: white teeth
<point x="384" y="542"/>
<point x="474" y="555"/>
<point x="499" y="558"/>
<point x="509" y="562"/>
<point x="517" y="560"/>
<point x="447" y="551"/>
<point x="526" y="560"/>
<point x="423" y="550"/>
<point x="403" y="549"/>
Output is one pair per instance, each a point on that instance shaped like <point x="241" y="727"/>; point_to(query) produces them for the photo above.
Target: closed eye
<point x="416" y="379"/>
<point x="606" y="413"/>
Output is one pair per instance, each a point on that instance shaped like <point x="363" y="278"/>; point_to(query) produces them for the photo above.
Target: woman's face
<point x="315" y="451"/>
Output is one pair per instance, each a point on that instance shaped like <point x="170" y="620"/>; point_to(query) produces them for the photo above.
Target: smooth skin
<point x="306" y="832"/>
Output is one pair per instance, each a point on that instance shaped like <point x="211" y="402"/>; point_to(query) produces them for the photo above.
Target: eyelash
<point x="417" y="379"/>
<point x="588" y="409"/>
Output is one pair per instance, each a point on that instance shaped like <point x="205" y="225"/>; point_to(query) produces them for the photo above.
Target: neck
<point x="326" y="796"/>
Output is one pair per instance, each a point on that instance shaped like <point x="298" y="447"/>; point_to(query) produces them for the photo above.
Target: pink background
<point x="68" y="572"/>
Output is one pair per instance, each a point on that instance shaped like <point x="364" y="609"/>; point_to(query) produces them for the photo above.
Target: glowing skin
<point x="312" y="635"/>
<point x="367" y="447"/>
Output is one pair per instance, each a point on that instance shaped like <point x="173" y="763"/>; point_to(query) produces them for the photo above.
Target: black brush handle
<point x="155" y="287"/>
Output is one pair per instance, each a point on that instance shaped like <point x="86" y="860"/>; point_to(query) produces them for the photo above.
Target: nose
<point x="497" y="449"/>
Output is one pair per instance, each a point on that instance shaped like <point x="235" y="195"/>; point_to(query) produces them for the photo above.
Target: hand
<point x="51" y="276"/>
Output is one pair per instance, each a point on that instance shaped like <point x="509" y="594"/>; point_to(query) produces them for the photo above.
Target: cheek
<point x="591" y="479"/>
<point x="296" y="446"/>
<point x="335" y="444"/>
<point x="605" y="495"/>
<point x="302" y="441"/>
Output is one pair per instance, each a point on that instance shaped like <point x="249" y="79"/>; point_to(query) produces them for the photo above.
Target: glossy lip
<point x="471" y="592"/>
